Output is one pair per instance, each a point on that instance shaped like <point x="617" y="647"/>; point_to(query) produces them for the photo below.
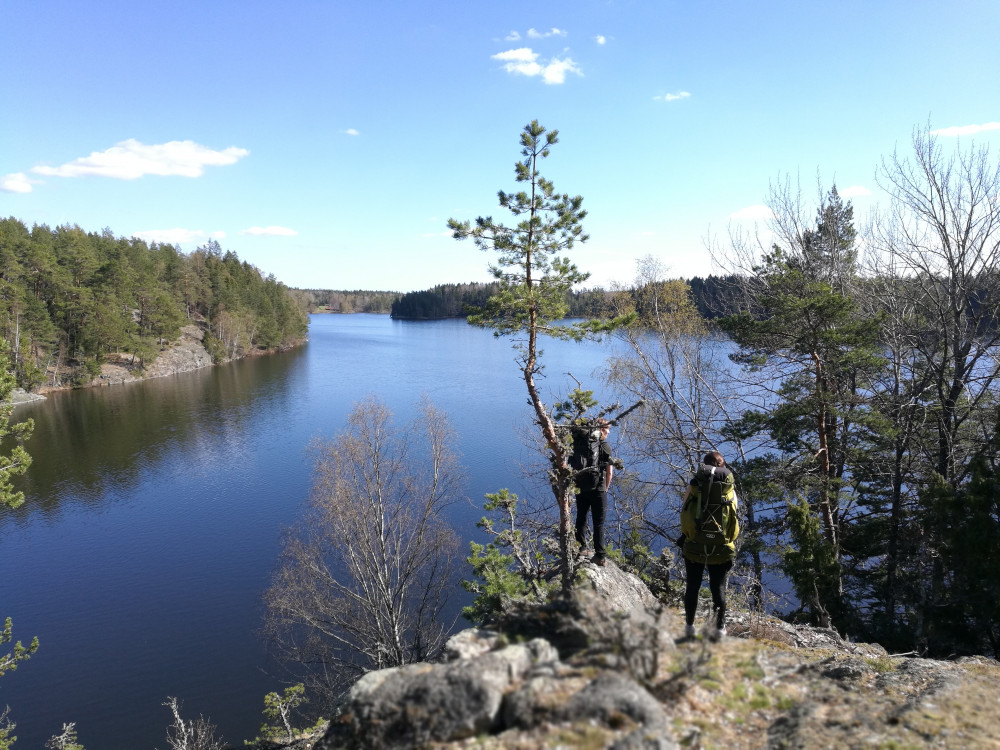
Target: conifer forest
<point x="70" y="300"/>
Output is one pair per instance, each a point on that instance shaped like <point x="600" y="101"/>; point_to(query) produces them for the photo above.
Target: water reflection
<point x="94" y="444"/>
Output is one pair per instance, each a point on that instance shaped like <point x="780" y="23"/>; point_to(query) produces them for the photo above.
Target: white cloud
<point x="532" y="34"/>
<point x="520" y="61"/>
<point x="16" y="182"/>
<point x="178" y="236"/>
<point x="521" y="54"/>
<point x="271" y="231"/>
<point x="131" y="159"/>
<point x="967" y="129"/>
<point x="753" y="213"/>
<point x="556" y="70"/>
<point x="674" y="97"/>
<point x="854" y="191"/>
<point x="513" y="37"/>
<point x="601" y="39"/>
<point x="523" y="61"/>
<point x="352" y="131"/>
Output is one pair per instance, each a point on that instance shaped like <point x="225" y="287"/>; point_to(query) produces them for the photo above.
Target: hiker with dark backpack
<point x="593" y="466"/>
<point x="710" y="527"/>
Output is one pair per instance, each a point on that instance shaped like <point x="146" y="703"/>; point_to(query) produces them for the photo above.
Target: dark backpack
<point x="586" y="457"/>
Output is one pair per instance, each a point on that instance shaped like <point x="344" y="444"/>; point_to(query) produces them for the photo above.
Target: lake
<point x="155" y="511"/>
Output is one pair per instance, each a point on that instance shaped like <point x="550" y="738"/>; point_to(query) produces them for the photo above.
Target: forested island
<point x="708" y="295"/>
<point x="71" y="301"/>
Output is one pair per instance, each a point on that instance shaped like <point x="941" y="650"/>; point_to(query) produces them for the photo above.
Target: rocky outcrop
<point x="21" y="396"/>
<point x="765" y="628"/>
<point x="577" y="668"/>
<point x="184" y="355"/>
<point x="602" y="671"/>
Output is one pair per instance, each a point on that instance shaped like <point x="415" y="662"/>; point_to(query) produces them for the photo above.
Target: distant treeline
<point x="70" y="300"/>
<point x="343" y="301"/>
<point x="709" y="295"/>
<point x="443" y="301"/>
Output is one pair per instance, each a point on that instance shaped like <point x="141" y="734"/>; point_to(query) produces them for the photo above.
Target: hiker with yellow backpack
<point x="709" y="529"/>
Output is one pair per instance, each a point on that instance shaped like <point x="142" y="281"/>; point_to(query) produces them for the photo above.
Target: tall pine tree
<point x="534" y="278"/>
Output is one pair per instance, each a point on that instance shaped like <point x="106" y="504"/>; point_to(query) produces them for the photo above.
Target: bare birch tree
<point x="191" y="734"/>
<point x="364" y="578"/>
<point x="934" y="265"/>
<point x="937" y="250"/>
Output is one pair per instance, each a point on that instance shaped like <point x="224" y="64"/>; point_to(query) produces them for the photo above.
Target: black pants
<point x="595" y="502"/>
<point x="717" y="573"/>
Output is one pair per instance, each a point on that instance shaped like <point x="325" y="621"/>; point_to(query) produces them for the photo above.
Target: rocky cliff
<point x="605" y="671"/>
<point x="184" y="355"/>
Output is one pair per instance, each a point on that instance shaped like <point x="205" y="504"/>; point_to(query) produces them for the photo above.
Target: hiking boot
<point x="717" y="634"/>
<point x="689" y="631"/>
<point x="599" y="561"/>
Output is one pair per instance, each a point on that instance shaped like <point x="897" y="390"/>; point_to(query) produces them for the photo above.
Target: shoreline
<point x="186" y="354"/>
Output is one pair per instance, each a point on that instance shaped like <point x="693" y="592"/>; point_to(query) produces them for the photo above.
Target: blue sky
<point x="328" y="142"/>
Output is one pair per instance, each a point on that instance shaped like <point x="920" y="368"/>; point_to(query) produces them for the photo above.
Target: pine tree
<point x="17" y="461"/>
<point x="965" y="523"/>
<point x="11" y="465"/>
<point x="534" y="280"/>
<point x="805" y="326"/>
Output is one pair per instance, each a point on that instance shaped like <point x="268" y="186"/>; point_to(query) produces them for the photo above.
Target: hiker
<point x="592" y="462"/>
<point x="710" y="527"/>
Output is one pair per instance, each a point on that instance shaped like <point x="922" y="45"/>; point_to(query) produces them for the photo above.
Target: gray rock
<point x="186" y="354"/>
<point x="801" y="636"/>
<point x="470" y="643"/>
<point x="647" y="738"/>
<point x="849" y="669"/>
<point x="611" y="619"/>
<point x="21" y="396"/>
<point x="611" y="700"/>
<point x="610" y="696"/>
<point x="413" y="705"/>
<point x="539" y="699"/>
<point x="786" y="731"/>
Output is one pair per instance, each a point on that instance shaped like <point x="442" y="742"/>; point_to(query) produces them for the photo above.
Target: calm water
<point x="155" y="512"/>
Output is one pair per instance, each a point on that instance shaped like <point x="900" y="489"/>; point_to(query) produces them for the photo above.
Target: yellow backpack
<point x="708" y="518"/>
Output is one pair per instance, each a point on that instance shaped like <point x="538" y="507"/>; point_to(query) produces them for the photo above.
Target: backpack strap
<point x="595" y="458"/>
<point x="705" y="498"/>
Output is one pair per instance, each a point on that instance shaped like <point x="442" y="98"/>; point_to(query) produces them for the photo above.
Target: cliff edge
<point x="604" y="670"/>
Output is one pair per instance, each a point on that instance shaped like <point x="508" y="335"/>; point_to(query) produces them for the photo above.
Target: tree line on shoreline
<point x="709" y="295"/>
<point x="348" y="301"/>
<point x="71" y="300"/>
<point x="455" y="300"/>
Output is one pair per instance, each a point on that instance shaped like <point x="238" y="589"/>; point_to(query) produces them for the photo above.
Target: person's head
<point x="714" y="458"/>
<point x="604" y="426"/>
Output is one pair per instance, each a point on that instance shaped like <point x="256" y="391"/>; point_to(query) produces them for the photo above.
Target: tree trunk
<point x="560" y="474"/>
